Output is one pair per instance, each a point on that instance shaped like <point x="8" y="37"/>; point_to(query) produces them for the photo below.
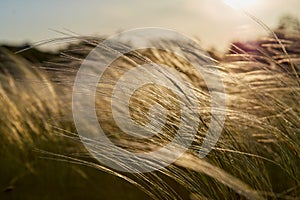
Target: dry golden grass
<point x="256" y="157"/>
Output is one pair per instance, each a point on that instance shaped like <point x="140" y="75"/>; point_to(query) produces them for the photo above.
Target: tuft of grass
<point x="256" y="157"/>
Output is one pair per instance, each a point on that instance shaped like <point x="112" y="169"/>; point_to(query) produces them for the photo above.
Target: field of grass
<point x="256" y="157"/>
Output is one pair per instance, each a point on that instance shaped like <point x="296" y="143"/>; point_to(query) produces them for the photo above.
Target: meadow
<point x="256" y="157"/>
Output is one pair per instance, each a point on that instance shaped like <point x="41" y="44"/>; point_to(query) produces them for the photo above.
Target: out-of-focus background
<point x="214" y="22"/>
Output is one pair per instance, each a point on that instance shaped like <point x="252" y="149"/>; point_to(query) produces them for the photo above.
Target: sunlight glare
<point x="240" y="3"/>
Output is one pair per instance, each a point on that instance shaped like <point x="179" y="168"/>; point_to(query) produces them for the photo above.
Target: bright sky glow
<point x="214" y="22"/>
<point x="240" y="3"/>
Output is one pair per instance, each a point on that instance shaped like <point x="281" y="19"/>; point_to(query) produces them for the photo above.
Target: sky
<point x="214" y="22"/>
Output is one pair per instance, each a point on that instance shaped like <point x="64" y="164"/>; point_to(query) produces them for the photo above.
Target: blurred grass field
<point x="256" y="157"/>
